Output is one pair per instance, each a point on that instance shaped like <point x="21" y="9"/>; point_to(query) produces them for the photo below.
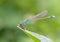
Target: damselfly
<point x="35" y="18"/>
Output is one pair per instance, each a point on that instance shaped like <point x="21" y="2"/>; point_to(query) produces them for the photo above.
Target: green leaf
<point x="32" y="36"/>
<point x="36" y="37"/>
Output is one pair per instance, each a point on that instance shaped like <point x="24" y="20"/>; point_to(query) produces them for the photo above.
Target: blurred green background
<point x="13" y="11"/>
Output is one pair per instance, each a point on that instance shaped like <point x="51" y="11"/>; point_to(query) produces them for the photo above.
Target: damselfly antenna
<point x="36" y="17"/>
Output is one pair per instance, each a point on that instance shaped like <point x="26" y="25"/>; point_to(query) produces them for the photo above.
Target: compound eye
<point x="21" y="26"/>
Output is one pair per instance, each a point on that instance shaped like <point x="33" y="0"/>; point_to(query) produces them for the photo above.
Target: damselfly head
<point x="20" y="26"/>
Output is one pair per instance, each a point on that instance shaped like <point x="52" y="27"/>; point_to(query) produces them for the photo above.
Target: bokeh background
<point x="13" y="11"/>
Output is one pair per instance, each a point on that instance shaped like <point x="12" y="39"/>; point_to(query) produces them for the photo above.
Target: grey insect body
<point x="35" y="18"/>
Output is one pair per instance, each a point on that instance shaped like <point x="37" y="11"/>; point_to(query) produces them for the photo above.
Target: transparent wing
<point x="40" y="15"/>
<point x="34" y="18"/>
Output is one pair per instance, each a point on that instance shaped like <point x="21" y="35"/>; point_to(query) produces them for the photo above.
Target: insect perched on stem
<point x="35" y="18"/>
